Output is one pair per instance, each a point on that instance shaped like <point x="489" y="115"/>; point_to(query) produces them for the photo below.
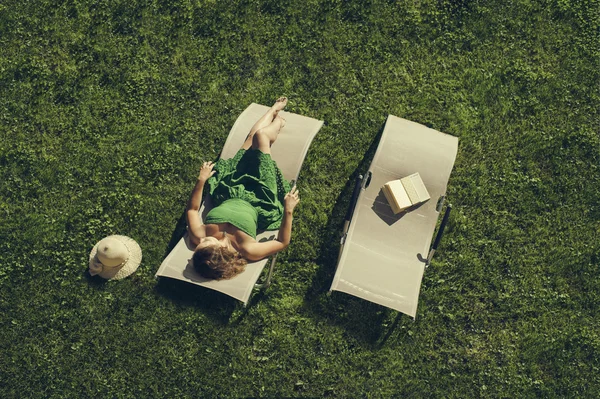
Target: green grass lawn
<point x="108" y="108"/>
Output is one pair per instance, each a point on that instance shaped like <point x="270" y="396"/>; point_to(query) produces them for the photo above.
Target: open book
<point x="405" y="192"/>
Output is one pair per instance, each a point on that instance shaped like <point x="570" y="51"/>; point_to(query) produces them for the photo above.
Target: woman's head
<point x="217" y="261"/>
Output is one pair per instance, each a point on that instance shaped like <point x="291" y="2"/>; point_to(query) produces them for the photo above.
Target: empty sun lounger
<point x="289" y="151"/>
<point x="384" y="255"/>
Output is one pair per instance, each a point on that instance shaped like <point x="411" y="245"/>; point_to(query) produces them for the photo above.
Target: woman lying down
<point x="249" y="193"/>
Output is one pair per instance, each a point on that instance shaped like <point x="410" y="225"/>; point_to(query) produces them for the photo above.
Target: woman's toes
<point x="280" y="103"/>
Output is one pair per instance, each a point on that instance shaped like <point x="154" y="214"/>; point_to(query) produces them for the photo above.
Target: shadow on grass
<point x="178" y="232"/>
<point x="367" y="322"/>
<point x="213" y="304"/>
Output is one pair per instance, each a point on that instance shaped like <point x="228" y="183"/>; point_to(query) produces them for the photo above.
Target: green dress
<point x="247" y="191"/>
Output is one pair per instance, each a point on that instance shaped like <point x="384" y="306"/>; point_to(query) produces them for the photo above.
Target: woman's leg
<point x="263" y="138"/>
<point x="265" y="120"/>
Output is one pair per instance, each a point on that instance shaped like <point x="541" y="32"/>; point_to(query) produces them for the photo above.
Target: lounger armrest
<point x="440" y="232"/>
<point x="355" y="193"/>
<point x="354" y="199"/>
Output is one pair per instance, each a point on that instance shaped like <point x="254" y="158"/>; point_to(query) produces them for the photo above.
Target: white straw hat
<point x="115" y="257"/>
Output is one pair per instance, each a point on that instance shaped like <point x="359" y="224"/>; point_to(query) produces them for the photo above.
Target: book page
<point x="415" y="188"/>
<point x="390" y="198"/>
<point x="396" y="188"/>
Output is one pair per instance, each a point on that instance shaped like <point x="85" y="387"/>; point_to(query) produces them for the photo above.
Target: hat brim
<point x="130" y="266"/>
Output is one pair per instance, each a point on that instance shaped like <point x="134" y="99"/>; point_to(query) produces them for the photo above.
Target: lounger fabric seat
<point x="288" y="151"/>
<point x="383" y="256"/>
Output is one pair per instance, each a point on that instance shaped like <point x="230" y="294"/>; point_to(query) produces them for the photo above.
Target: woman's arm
<point x="285" y="230"/>
<point x="195" y="226"/>
<point x="259" y="250"/>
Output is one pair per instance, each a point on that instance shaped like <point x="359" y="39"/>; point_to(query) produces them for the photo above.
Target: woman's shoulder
<point x="242" y="237"/>
<point x="243" y="240"/>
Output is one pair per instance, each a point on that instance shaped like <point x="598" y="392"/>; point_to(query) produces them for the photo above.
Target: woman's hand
<point x="291" y="199"/>
<point x="206" y="171"/>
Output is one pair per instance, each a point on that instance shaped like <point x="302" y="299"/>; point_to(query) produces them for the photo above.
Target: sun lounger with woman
<point x="249" y="194"/>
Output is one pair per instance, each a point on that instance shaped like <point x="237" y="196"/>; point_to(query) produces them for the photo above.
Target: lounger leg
<point x="267" y="281"/>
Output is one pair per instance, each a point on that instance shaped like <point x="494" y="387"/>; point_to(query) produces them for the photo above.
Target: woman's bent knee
<point x="261" y="141"/>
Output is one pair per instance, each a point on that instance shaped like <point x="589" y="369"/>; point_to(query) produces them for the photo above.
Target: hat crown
<point x="112" y="252"/>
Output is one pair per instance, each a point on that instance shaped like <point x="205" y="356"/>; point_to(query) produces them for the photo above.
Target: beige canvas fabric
<point x="383" y="257"/>
<point x="289" y="151"/>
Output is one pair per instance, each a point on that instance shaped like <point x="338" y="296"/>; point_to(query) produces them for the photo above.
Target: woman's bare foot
<point x="280" y="120"/>
<point x="265" y="120"/>
<point x="280" y="104"/>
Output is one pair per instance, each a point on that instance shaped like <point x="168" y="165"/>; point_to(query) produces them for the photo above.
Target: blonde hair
<point x="219" y="263"/>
